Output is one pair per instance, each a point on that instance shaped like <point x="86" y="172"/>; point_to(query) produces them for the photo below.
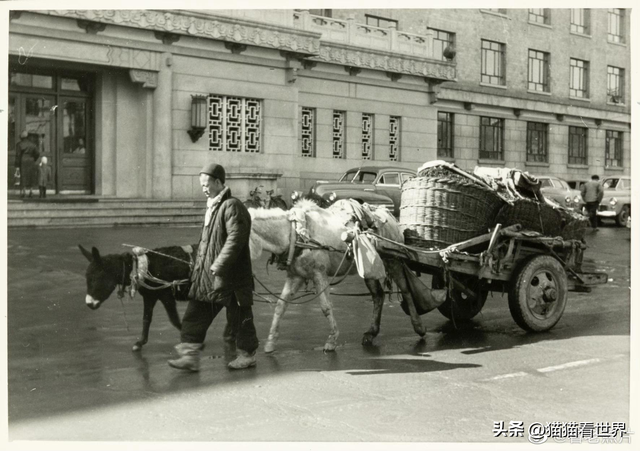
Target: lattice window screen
<point x="307" y="132"/>
<point x="339" y="134"/>
<point x="367" y="136"/>
<point x="394" y="138"/>
<point x="235" y="124"/>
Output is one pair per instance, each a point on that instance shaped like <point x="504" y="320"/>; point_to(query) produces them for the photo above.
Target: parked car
<point x="556" y="189"/>
<point x="375" y="185"/>
<point x="616" y="203"/>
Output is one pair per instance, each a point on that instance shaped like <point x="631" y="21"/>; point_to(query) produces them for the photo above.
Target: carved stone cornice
<point x="358" y="57"/>
<point x="147" y="78"/>
<point x="205" y="26"/>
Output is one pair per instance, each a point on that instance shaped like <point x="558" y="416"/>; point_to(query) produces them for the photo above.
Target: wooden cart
<point x="536" y="271"/>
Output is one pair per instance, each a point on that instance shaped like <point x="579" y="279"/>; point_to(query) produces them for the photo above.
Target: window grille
<point x="615" y="83"/>
<point x="307" y="132"/>
<point x="578" y="143"/>
<point x="235" y="124"/>
<point x="615" y="25"/>
<point x="538" y="71"/>
<point x="445" y="135"/>
<point x="441" y="40"/>
<point x="381" y="22"/>
<point x="491" y="138"/>
<point x="492" y="70"/>
<point x="394" y="138"/>
<point x="613" y="149"/>
<point x="367" y="136"/>
<point x="580" y="20"/>
<point x="537" y="142"/>
<point x="540" y="15"/>
<point x="339" y="135"/>
<point x="578" y="81"/>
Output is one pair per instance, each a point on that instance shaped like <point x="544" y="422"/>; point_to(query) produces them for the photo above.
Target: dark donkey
<point x="166" y="264"/>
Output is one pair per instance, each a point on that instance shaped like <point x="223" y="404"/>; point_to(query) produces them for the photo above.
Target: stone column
<point x="162" y="131"/>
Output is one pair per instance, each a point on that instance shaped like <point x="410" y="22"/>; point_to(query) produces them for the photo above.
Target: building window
<point x="615" y="25"/>
<point x="441" y="40"/>
<point x="578" y="145"/>
<point x="540" y="15"/>
<point x="613" y="149"/>
<point x="579" y="79"/>
<point x="321" y="12"/>
<point x="537" y="142"/>
<point x="339" y="134"/>
<point x="492" y="63"/>
<point x="308" y="132"/>
<point x="491" y="138"/>
<point x="615" y="84"/>
<point x="381" y="22"/>
<point x="367" y="136"/>
<point x="235" y="124"/>
<point x="538" y="71"/>
<point x="580" y="19"/>
<point x="445" y="135"/>
<point x="394" y="138"/>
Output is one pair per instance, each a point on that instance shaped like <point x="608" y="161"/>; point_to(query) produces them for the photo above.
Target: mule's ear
<point x="95" y="254"/>
<point x="86" y="253"/>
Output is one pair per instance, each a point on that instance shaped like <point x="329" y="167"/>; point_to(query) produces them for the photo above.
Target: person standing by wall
<point x="592" y="193"/>
<point x="44" y="177"/>
<point x="221" y="277"/>
<point x="26" y="156"/>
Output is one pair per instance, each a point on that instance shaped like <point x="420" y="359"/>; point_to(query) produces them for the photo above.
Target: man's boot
<point x="189" y="357"/>
<point x="244" y="360"/>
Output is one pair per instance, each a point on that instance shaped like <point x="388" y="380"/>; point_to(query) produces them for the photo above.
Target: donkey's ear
<point x="95" y="254"/>
<point x="86" y="253"/>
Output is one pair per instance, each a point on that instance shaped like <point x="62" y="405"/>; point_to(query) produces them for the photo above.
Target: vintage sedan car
<point x="558" y="190"/>
<point x="375" y="185"/>
<point x="616" y="203"/>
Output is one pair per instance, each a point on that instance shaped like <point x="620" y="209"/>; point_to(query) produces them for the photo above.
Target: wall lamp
<point x="198" y="117"/>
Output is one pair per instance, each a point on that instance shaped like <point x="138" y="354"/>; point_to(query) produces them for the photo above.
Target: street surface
<point x="72" y="374"/>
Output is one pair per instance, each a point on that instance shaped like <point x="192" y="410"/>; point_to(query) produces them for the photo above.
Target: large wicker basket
<point x="531" y="215"/>
<point x="444" y="208"/>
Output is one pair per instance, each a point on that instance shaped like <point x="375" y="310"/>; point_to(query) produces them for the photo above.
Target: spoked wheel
<point x="460" y="306"/>
<point x="538" y="295"/>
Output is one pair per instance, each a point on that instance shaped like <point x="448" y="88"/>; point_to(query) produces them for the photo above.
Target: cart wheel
<point x="463" y="307"/>
<point x="538" y="295"/>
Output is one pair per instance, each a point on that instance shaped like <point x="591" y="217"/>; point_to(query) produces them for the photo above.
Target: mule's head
<point x="100" y="281"/>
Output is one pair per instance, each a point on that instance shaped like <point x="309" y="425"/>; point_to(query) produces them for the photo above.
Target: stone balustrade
<point x="349" y="32"/>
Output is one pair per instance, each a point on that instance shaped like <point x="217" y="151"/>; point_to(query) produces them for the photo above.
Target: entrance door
<point x="74" y="162"/>
<point x="34" y="113"/>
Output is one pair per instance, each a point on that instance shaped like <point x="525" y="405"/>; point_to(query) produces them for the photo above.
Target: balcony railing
<point x="349" y="32"/>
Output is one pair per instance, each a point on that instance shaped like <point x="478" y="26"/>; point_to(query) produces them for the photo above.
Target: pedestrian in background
<point x="221" y="277"/>
<point x="44" y="177"/>
<point x="592" y="193"/>
<point x="26" y="156"/>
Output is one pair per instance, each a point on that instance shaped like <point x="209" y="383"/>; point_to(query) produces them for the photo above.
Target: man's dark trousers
<point x="592" y="210"/>
<point x="199" y="316"/>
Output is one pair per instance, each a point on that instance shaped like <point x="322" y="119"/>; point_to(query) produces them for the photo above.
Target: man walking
<point x="592" y="194"/>
<point x="221" y="277"/>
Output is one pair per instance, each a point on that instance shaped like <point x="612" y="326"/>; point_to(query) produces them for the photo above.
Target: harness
<point x="140" y="275"/>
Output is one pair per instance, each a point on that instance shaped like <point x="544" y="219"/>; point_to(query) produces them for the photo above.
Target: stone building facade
<point x="132" y="103"/>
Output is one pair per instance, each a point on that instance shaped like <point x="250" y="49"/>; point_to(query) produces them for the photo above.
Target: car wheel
<point x="621" y="219"/>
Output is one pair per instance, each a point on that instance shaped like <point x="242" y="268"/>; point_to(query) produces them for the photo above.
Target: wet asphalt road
<point x="72" y="374"/>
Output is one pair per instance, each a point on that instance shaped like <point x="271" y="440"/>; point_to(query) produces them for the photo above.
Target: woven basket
<point x="437" y="211"/>
<point x="575" y="226"/>
<point x="532" y="215"/>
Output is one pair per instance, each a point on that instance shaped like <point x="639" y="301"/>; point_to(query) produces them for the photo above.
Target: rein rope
<point x="317" y="294"/>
